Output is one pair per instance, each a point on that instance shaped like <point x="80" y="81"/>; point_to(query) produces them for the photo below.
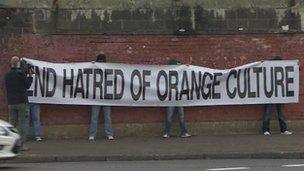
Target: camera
<point x="25" y="67"/>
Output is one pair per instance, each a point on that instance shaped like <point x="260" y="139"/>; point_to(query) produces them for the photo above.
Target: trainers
<point x="266" y="133"/>
<point x="286" y="133"/>
<point x="110" y="137"/>
<point x="38" y="139"/>
<point x="91" y="138"/>
<point x="166" y="136"/>
<point x="186" y="135"/>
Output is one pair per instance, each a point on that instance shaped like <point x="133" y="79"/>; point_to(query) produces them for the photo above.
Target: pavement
<point x="276" y="146"/>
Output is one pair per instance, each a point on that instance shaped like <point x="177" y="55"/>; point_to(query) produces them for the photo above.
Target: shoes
<point x="110" y="137"/>
<point x="286" y="133"/>
<point x="38" y="139"/>
<point x="185" y="135"/>
<point x="166" y="136"/>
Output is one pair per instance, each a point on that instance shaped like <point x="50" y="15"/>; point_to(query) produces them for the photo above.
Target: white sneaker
<point x="91" y="138"/>
<point x="166" y="136"/>
<point x="266" y="133"/>
<point x="38" y="139"/>
<point x="110" y="137"/>
<point x="286" y="133"/>
<point x="186" y="135"/>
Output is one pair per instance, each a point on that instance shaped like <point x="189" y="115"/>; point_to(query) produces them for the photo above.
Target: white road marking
<point x="293" y="165"/>
<point x="229" y="168"/>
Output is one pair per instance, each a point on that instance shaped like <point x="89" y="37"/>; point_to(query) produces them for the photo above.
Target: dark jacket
<point x="17" y="83"/>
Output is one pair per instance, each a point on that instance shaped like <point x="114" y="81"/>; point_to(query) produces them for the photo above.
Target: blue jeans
<point x="35" y="116"/>
<point x="107" y="121"/>
<point x="281" y="117"/>
<point x="181" y="117"/>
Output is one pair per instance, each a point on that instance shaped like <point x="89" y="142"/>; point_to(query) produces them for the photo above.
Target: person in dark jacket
<point x="281" y="116"/>
<point x="17" y="82"/>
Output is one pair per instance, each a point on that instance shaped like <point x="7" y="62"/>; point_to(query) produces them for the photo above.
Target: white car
<point x="9" y="141"/>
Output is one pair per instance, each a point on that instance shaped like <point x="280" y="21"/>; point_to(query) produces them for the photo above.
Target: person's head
<point x="174" y="62"/>
<point x="276" y="58"/>
<point x="101" y="58"/>
<point x="14" y="61"/>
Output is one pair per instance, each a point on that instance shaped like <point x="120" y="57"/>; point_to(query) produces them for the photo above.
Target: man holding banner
<point x="170" y="112"/>
<point x="281" y="117"/>
<point x="95" y="114"/>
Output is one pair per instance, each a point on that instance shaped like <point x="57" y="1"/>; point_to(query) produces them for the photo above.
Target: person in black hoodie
<point x="17" y="82"/>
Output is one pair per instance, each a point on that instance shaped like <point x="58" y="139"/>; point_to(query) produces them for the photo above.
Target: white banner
<point x="116" y="84"/>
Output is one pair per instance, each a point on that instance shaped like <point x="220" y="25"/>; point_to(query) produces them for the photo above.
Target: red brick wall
<point x="215" y="51"/>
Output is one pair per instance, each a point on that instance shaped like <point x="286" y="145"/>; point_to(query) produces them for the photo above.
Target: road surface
<point x="169" y="165"/>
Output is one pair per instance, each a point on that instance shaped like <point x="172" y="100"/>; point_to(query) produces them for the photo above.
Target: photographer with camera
<point x="17" y="80"/>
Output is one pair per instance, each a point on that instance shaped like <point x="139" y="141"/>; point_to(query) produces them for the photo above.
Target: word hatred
<point x="103" y="82"/>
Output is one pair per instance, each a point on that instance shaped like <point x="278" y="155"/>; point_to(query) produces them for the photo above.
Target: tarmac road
<point x="165" y="165"/>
